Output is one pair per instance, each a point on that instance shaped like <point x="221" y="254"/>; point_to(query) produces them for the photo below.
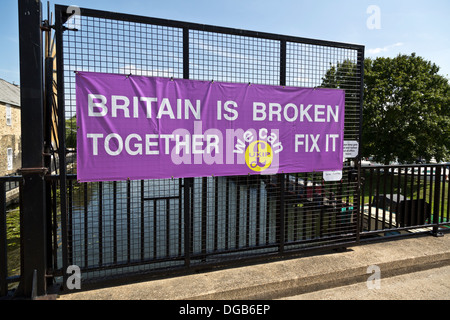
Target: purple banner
<point x="134" y="127"/>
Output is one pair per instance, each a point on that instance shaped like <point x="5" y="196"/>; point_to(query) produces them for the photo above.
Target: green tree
<point x="406" y="112"/>
<point x="71" y="132"/>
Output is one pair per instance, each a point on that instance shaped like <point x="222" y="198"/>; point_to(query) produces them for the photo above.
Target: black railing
<point x="184" y="223"/>
<point x="9" y="232"/>
<point x="399" y="199"/>
<point x="114" y="229"/>
<point x="223" y="219"/>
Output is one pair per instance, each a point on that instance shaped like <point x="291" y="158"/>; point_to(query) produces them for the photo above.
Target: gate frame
<point x="37" y="255"/>
<point x="34" y="236"/>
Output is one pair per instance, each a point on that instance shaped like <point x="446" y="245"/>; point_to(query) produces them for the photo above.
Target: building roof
<point x="9" y="93"/>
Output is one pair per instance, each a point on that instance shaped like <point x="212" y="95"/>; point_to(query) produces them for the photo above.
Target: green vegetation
<point x="406" y="110"/>
<point x="13" y="240"/>
<point x="406" y="187"/>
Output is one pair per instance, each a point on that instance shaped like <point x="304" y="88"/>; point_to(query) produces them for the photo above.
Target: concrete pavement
<point x="309" y="277"/>
<point x="430" y="284"/>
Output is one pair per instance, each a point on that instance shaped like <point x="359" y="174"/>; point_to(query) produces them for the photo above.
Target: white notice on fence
<point x="332" y="175"/>
<point x="351" y="149"/>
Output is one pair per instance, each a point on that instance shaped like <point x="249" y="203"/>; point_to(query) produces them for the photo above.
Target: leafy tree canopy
<point x="406" y="112"/>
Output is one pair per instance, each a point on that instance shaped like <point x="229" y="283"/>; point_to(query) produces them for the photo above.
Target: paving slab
<point x="290" y="277"/>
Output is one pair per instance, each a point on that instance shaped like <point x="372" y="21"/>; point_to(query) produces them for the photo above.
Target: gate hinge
<point x="45" y="26"/>
<point x="42" y="171"/>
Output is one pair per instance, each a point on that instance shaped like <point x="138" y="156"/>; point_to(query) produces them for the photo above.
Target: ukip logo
<point x="262" y="148"/>
<point x="259" y="155"/>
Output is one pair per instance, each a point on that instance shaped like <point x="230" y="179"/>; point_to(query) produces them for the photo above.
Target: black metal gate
<point x="112" y="229"/>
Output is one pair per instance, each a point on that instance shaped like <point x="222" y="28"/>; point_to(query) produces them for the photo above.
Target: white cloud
<point x="385" y="48"/>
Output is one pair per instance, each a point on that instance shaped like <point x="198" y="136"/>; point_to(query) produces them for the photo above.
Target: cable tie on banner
<point x="128" y="75"/>
<point x="212" y="81"/>
<point x="171" y="78"/>
<point x="76" y="72"/>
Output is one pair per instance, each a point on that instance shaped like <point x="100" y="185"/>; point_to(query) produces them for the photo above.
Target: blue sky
<point x="404" y="26"/>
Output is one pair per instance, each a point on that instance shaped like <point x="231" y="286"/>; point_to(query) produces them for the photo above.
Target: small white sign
<point x="332" y="175"/>
<point x="351" y="148"/>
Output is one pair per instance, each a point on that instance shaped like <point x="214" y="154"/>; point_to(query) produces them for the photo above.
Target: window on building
<point x="9" y="157"/>
<point x="8" y="115"/>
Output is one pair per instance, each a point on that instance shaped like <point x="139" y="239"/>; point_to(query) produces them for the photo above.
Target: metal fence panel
<point x="401" y="199"/>
<point x="114" y="228"/>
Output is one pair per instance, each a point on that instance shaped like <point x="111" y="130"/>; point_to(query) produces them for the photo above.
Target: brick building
<point x="10" y="129"/>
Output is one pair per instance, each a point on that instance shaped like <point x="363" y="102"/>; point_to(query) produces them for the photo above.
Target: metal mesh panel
<point x="115" y="228"/>
<point x="233" y="58"/>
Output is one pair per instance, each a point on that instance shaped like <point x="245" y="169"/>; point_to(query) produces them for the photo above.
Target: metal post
<point x="33" y="226"/>
<point x="188" y="182"/>
<point x="281" y="206"/>
<point x="280" y="176"/>
<point x="436" y="202"/>
<point x="3" y="242"/>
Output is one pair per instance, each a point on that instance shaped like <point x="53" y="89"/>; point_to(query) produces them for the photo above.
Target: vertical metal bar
<point x="187" y="221"/>
<point x="155" y="229"/>
<point x="391" y="196"/>
<point x="446" y="177"/>
<point x="180" y="217"/>
<point x="238" y="211"/>
<point x="33" y="226"/>
<point x="399" y="193"/>
<point x="305" y="210"/>
<point x="86" y="229"/>
<point x="62" y="136"/>
<point x="363" y="192"/>
<point x="47" y="154"/>
<point x="115" y="221"/>
<point x="360" y="67"/>
<point x="420" y="209"/>
<point x="227" y="211"/>
<point x="3" y="242"/>
<point x="69" y="221"/>
<point x="442" y="201"/>
<point x="55" y="223"/>
<point x="405" y="186"/>
<point x="247" y="226"/>
<point x="282" y="62"/>
<point x="437" y="191"/>
<point x="413" y="208"/>
<point x="185" y="53"/>
<point x="384" y="198"/>
<point x="216" y="212"/>
<point x="142" y="221"/>
<point x="100" y="223"/>
<point x="424" y="193"/>
<point x="377" y="197"/>
<point x="204" y="214"/>
<point x="369" y="218"/>
<point x="167" y="227"/>
<point x="188" y="182"/>
<point x="281" y="179"/>
<point x="430" y="196"/>
<point x="128" y="221"/>
<point x="258" y="211"/>
<point x="268" y="199"/>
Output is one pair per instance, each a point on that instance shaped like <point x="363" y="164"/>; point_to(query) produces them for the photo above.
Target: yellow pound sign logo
<point x="259" y="155"/>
